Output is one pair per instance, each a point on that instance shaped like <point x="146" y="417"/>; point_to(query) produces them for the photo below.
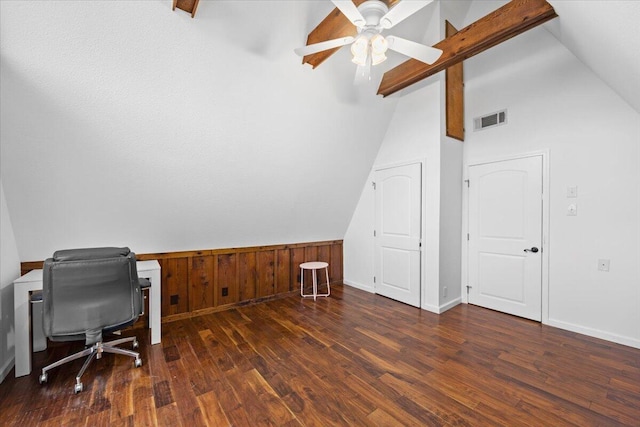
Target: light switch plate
<point x="572" y="192"/>
<point x="572" y="210"/>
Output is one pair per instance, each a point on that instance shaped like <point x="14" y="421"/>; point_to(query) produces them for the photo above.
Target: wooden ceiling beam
<point x="454" y="94"/>
<point x="189" y="6"/>
<point x="334" y="26"/>
<point x="512" y="19"/>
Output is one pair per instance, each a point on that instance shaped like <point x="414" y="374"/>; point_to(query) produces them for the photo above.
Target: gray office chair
<point x="88" y="293"/>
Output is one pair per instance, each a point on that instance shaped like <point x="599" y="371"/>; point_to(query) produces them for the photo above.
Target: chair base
<point x="95" y="351"/>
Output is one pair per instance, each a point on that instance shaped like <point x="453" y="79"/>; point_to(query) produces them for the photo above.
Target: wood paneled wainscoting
<point x="203" y="281"/>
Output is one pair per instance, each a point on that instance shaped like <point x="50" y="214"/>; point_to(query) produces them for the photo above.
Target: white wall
<point x="554" y="102"/>
<point x="451" y="154"/>
<point x="416" y="132"/>
<point x="136" y="125"/>
<point x="9" y="271"/>
<point x="413" y="134"/>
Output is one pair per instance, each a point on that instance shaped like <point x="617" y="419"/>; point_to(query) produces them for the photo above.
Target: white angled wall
<point x="413" y="134"/>
<point x="9" y="271"/>
<point x="555" y="103"/>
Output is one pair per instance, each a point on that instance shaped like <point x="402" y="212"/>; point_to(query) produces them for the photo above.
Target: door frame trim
<point x="423" y="195"/>
<point x="545" y="223"/>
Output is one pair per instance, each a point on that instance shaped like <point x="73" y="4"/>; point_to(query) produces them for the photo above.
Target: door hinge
<point x="467" y="236"/>
<point x="373" y="183"/>
<point x="374" y="233"/>
<point x="374" y="279"/>
<point x="467" y="181"/>
<point x="469" y="287"/>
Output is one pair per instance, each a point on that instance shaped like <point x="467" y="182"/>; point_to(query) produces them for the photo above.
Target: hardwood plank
<point x="212" y="411"/>
<point x="508" y="21"/>
<point x="352" y="359"/>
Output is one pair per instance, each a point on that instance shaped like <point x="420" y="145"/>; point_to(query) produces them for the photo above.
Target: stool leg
<point x="301" y="282"/>
<point x="315" y="284"/>
<point x="326" y="270"/>
<point x="326" y="273"/>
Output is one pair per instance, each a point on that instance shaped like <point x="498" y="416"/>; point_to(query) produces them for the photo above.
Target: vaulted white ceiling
<point x="605" y="36"/>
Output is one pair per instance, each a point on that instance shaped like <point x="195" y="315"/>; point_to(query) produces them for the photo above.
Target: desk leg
<point x="23" y="334"/>
<point x="154" y="306"/>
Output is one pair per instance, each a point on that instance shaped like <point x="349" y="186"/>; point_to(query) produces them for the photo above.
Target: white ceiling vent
<point x="490" y="120"/>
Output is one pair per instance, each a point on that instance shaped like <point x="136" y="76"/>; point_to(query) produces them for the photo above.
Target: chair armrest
<point x="144" y="284"/>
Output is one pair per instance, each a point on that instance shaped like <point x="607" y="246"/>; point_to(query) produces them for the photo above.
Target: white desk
<point x="32" y="281"/>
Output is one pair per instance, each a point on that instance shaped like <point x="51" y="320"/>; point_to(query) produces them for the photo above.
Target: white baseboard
<point x="450" y="304"/>
<point x="439" y="309"/>
<point x="619" y="339"/>
<point x="359" y="286"/>
<point x="8" y="366"/>
<point x="431" y="308"/>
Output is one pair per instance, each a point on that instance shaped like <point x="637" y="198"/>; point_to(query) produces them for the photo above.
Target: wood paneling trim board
<point x="199" y="282"/>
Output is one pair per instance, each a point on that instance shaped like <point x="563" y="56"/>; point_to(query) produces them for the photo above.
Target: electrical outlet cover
<point x="603" y="264"/>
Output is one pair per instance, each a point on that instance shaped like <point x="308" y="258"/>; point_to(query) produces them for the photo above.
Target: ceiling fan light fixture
<point x="359" y="60"/>
<point x="379" y="45"/>
<point x="378" y="58"/>
<point x="360" y="50"/>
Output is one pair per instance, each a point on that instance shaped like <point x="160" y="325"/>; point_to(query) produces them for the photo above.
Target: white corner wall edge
<point x="595" y="333"/>
<point x="439" y="309"/>
<point x="8" y="366"/>
<point x="359" y="286"/>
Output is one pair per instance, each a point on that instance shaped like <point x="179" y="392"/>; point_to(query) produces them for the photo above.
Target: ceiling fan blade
<point x="350" y="10"/>
<point x="426" y="54"/>
<point x="401" y="11"/>
<point x="319" y="47"/>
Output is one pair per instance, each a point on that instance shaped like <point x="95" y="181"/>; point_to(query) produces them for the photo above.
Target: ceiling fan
<point x="369" y="46"/>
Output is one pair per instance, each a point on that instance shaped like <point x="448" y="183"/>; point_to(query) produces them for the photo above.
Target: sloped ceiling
<point x="605" y="36"/>
<point x="127" y="123"/>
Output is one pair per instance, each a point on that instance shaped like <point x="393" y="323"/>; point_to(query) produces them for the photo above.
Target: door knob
<point x="533" y="249"/>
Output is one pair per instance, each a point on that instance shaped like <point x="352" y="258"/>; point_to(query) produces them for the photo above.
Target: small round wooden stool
<point x="314" y="266"/>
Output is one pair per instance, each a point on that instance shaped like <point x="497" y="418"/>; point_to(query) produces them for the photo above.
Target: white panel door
<point x="505" y="236"/>
<point x="397" y="242"/>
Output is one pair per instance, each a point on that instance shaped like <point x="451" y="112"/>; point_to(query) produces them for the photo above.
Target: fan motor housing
<point x="372" y="11"/>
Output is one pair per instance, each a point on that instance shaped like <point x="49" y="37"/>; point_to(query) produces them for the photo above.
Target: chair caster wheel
<point x="135" y="345"/>
<point x="78" y="388"/>
<point x="138" y="363"/>
<point x="43" y="378"/>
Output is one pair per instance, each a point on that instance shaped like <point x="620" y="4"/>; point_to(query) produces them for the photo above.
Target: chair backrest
<point x="86" y="291"/>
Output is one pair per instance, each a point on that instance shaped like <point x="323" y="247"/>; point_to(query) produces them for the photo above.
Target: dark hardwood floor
<point x="351" y="359"/>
